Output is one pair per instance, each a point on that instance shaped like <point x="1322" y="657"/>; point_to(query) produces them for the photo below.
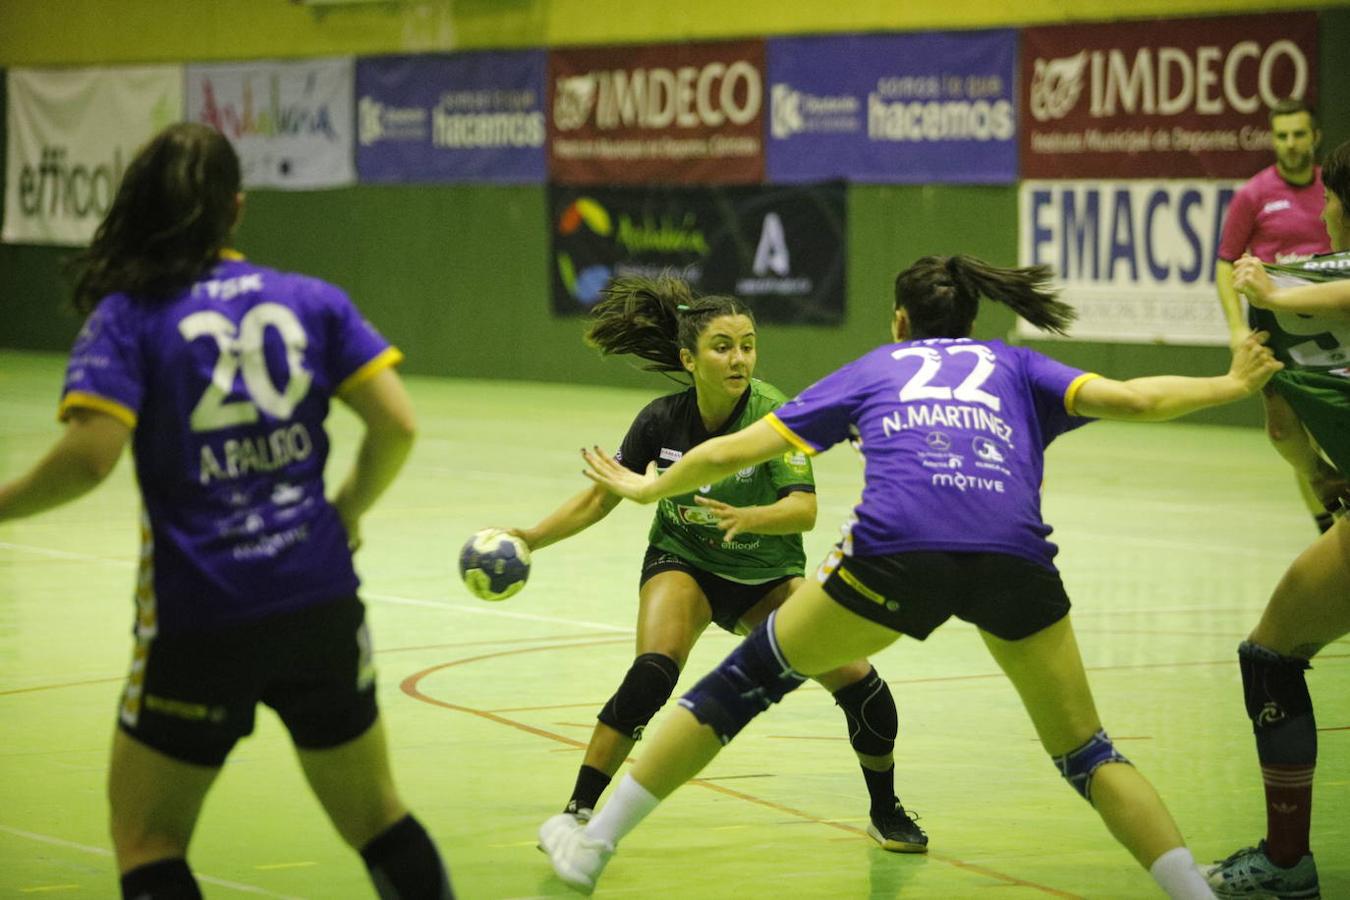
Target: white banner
<point x="1135" y="258"/>
<point x="290" y="122"/>
<point x="70" y="133"/>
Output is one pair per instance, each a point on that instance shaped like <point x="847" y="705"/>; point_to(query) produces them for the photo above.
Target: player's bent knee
<point x="646" y="688"/>
<point x="1273" y="685"/>
<point x="754" y="677"/>
<point x="1079" y="765"/>
<point x="873" y="722"/>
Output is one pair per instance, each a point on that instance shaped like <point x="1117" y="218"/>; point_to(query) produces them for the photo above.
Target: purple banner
<point x="894" y="108"/>
<point x="461" y="117"/>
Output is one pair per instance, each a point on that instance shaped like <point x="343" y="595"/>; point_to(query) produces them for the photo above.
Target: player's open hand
<point x="604" y="470"/>
<point x="1251" y="279"/>
<point x="733" y="520"/>
<point x="1253" y="363"/>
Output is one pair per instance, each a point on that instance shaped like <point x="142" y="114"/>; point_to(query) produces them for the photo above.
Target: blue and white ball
<point x="494" y="564"/>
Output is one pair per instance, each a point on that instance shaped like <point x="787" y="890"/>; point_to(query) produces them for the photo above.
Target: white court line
<point x="104" y="851"/>
<point x="382" y="598"/>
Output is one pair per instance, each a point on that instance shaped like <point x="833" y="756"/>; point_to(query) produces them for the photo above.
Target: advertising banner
<point x="894" y="108"/>
<point x="290" y="122"/>
<point x="69" y="135"/>
<point x="1180" y="98"/>
<point x="461" y="117"/>
<point x="1135" y="258"/>
<point x="666" y="114"/>
<point x="780" y="249"/>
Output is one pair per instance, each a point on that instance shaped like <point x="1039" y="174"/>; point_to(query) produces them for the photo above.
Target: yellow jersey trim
<point x="391" y="356"/>
<point x="231" y="255"/>
<point x="1071" y="395"/>
<point x="852" y="581"/>
<point x="84" y="400"/>
<point x="788" y="435"/>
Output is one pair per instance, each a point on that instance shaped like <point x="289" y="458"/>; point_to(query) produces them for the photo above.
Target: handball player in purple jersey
<point x="953" y="433"/>
<point x="220" y="373"/>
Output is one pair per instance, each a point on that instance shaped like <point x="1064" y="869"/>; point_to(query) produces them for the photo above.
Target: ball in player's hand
<point x="494" y="564"/>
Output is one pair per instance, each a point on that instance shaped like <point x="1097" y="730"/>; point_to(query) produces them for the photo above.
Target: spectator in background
<point x="1277" y="217"/>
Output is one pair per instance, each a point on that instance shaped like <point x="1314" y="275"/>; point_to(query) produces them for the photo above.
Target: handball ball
<point x="494" y="564"/>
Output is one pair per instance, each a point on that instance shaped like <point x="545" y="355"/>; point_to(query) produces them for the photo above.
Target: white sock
<point x="1176" y="873"/>
<point x="627" y="807"/>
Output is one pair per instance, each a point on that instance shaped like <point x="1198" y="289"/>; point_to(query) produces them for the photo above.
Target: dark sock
<point x="1288" y="812"/>
<point x="591" y="783"/>
<point x="167" y="879"/>
<point x="881" y="788"/>
<point x="1324" y="521"/>
<point x="404" y="865"/>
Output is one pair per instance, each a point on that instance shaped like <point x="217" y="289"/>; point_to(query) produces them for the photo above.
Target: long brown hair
<point x="173" y="213"/>
<point x="942" y="295"/>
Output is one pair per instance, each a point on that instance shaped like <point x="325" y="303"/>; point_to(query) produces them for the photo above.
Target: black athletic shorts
<point x="914" y="593"/>
<point x="192" y="696"/>
<point x="729" y="599"/>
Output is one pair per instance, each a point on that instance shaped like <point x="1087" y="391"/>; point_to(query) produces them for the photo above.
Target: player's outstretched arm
<point x="708" y="462"/>
<point x="1231" y="302"/>
<point x="382" y="403"/>
<point x="1162" y="397"/>
<point x="792" y="514"/>
<point x="77" y="463"/>
<point x="1329" y="299"/>
<point x="576" y="514"/>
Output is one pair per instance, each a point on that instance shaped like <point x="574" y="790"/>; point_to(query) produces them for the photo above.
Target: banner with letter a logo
<point x="70" y="134"/>
<point x="1180" y="98"/>
<point x="780" y="249"/>
<point x="290" y="122"/>
<point x="1135" y="258"/>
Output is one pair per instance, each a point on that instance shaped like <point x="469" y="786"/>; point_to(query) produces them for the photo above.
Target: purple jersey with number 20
<point x="953" y="436"/>
<point x="227" y="386"/>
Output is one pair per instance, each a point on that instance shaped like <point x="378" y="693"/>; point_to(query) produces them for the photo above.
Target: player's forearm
<point x="575" y="515"/>
<point x="1330" y="299"/>
<point x="1164" y="397"/>
<point x="792" y="514"/>
<point x="1230" y="300"/>
<point x="378" y="462"/>
<point x="55" y="480"/>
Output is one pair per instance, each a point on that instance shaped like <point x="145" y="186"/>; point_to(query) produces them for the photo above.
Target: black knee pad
<point x="872" y="720"/>
<point x="754" y="677"/>
<point x="170" y="879"/>
<point x="1273" y="686"/>
<point x="646" y="688"/>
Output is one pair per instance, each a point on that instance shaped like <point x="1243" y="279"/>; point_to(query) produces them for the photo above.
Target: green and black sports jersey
<point x="1316" y="354"/>
<point x="664" y="431"/>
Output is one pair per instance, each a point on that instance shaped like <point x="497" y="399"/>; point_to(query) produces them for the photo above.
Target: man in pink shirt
<point x="1276" y="216"/>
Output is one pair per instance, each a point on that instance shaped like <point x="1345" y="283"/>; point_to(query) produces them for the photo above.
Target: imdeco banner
<point x="780" y="249"/>
<point x="1135" y="258"/>
<point x="70" y="134"/>
<point x="290" y="122"/>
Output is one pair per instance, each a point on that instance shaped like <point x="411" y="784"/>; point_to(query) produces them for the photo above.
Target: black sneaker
<point x="898" y="831"/>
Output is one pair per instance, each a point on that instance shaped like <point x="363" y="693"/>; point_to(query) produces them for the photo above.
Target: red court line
<point x="410" y="687"/>
<point x="63" y="684"/>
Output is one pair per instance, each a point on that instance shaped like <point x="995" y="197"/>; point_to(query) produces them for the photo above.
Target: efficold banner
<point x="69" y="135"/>
<point x="290" y="122"/>
<point x="664" y="114"/>
<point x="1135" y="258"/>
<point x="1177" y="98"/>
<point x="779" y="248"/>
<point x="894" y="108"/>
<point x="461" y="117"/>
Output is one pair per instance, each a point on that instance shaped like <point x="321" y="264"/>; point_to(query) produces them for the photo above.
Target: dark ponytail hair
<point x="172" y="215"/>
<point x="652" y="318"/>
<point x="1336" y="175"/>
<point x="942" y="295"/>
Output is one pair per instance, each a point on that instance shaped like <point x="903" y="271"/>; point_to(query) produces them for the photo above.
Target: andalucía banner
<point x="70" y="134"/>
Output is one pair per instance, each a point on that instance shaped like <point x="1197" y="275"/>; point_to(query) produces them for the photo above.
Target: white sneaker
<point x="577" y="859"/>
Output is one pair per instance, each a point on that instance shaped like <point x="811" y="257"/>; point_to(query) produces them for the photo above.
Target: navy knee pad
<point x="754" y="677"/>
<point x="1276" y="693"/>
<point x="1078" y="766"/>
<point x="872" y="720"/>
<point x="646" y="688"/>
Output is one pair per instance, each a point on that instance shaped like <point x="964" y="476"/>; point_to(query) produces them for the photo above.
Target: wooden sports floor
<point x="1171" y="538"/>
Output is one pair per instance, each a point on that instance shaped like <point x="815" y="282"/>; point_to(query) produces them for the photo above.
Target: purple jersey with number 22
<point x="953" y="435"/>
<point x="226" y="387"/>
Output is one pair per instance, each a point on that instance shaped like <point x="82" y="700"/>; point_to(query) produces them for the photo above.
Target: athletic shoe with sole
<point x="577" y="859"/>
<point x="898" y="831"/>
<point x="1250" y="873"/>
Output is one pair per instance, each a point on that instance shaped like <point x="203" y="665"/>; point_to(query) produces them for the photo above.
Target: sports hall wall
<point x="458" y="275"/>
